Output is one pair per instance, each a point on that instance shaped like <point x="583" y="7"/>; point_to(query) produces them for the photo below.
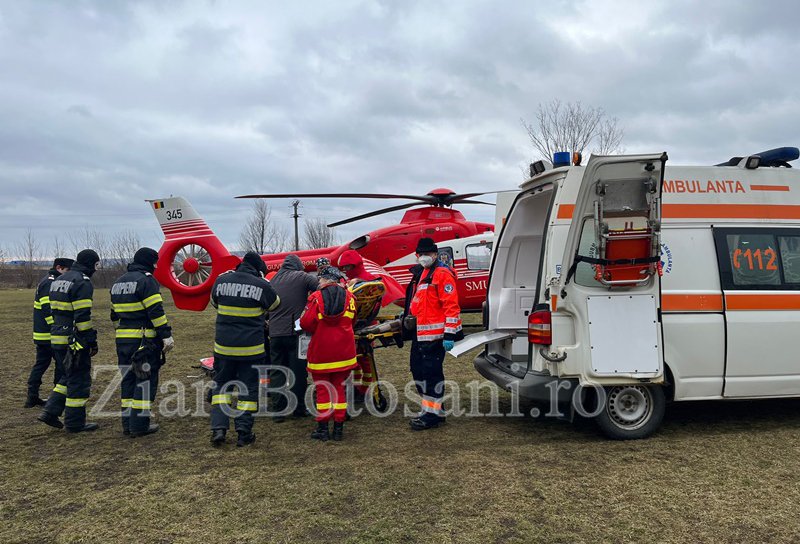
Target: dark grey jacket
<point x="293" y="285"/>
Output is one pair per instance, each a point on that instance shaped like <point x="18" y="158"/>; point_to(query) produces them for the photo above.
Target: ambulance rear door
<point x="615" y="233"/>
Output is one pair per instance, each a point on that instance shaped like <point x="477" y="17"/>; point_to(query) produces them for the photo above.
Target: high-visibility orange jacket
<point x="435" y="305"/>
<point x="329" y="316"/>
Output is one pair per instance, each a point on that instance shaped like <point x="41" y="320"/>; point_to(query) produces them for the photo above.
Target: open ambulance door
<point x="613" y="304"/>
<point x="515" y="275"/>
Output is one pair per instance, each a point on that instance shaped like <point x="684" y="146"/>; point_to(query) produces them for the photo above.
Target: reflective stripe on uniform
<point x="159" y="321"/>
<point x="61" y="305"/>
<point x="220" y="399"/>
<point x="154" y="299"/>
<point x="429" y="337"/>
<point x="331" y="366"/>
<point x="59" y="340"/>
<point x="37" y="305"/>
<point x="430" y="327"/>
<point x="44" y="300"/>
<point x="81" y="304"/>
<point x="41" y="336"/>
<point x="140" y="404"/>
<point x="135" y="333"/>
<point x="324" y="406"/>
<point x="127" y="307"/>
<point x="126" y="403"/>
<point x="84" y="325"/>
<point x="49" y="320"/>
<point x="350" y="315"/>
<point x="247" y="405"/>
<point x="239" y="351"/>
<point x="60" y="389"/>
<point x="236" y="311"/>
<point x="76" y="403"/>
<point x="431" y="405"/>
<point x="340" y="406"/>
<point x="275" y="304"/>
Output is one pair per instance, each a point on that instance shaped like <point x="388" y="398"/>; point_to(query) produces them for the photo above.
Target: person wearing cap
<point x="293" y="285"/>
<point x="242" y="299"/>
<point x="432" y="298"/>
<point x="328" y="316"/>
<point x="74" y="342"/>
<point x="142" y="335"/>
<point x="42" y="320"/>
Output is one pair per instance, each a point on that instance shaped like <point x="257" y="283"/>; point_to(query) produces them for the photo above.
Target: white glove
<point x="169" y="343"/>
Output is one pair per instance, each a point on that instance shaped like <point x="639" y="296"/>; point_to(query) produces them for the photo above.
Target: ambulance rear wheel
<point x="631" y="412"/>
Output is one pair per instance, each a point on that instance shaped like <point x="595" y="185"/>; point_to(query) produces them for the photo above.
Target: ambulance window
<point x="753" y="259"/>
<point x="790" y="258"/>
<point x="584" y="273"/>
<point x="446" y="255"/>
<point x="479" y="256"/>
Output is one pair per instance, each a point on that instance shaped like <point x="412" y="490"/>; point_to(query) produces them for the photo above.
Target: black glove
<point x="93" y="349"/>
<point x="70" y="360"/>
<point x="140" y="360"/>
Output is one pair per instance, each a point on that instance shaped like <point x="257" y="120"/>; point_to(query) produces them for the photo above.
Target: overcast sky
<point x="104" y="104"/>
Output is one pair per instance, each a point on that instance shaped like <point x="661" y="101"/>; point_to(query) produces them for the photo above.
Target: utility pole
<point x="295" y="215"/>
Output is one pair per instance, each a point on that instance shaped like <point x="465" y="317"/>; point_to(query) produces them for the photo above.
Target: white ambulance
<point x="622" y="284"/>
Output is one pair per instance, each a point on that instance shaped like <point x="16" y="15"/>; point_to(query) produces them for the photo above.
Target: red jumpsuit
<point x="364" y="374"/>
<point x="328" y="317"/>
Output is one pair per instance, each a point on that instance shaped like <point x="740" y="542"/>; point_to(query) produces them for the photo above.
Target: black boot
<point x="245" y="439"/>
<point x="338" y="431"/>
<point x="321" y="433"/>
<point x="87" y="427"/>
<point x="153" y="428"/>
<point x="33" y="401"/>
<point x="217" y="437"/>
<point x="49" y="419"/>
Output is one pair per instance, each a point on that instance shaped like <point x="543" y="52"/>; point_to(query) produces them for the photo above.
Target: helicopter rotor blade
<point x="453" y="199"/>
<point x="425" y="198"/>
<point x="476" y="202"/>
<point x="372" y="214"/>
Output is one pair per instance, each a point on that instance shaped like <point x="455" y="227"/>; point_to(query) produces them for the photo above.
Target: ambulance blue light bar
<point x="561" y="158"/>
<point x="780" y="156"/>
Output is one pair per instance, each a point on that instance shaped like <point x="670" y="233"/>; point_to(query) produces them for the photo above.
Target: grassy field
<point x="716" y="472"/>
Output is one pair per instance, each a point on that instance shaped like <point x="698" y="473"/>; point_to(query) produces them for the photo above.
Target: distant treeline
<point x="27" y="276"/>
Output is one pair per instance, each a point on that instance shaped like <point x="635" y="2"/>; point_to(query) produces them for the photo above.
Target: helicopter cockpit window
<point x="479" y="256"/>
<point x="446" y="255"/>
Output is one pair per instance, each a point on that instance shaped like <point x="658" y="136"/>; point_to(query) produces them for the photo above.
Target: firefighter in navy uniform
<point x="74" y="343"/>
<point x="143" y="335"/>
<point x="432" y="298"/>
<point x="242" y="298"/>
<point x="42" y="320"/>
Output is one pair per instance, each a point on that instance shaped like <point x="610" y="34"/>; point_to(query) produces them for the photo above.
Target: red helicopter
<point x="192" y="256"/>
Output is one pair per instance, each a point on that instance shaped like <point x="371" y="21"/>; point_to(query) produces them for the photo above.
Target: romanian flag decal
<point x="158" y="205"/>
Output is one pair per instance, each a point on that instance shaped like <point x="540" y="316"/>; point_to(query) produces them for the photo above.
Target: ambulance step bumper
<point x="532" y="386"/>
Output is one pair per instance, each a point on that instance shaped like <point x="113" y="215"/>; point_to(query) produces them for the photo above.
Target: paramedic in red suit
<point x="351" y="263"/>
<point x="328" y="317"/>
<point x="432" y="298"/>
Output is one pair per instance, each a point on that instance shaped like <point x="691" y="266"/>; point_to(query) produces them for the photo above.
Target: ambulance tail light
<point x="539" y="328"/>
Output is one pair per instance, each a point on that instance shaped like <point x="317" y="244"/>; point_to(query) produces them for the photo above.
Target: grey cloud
<point x="104" y="104"/>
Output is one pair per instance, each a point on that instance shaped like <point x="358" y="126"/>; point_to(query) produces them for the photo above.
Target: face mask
<point x="425" y="260"/>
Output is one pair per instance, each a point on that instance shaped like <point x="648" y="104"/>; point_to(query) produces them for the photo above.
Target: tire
<point x="631" y="412"/>
<point x="381" y="404"/>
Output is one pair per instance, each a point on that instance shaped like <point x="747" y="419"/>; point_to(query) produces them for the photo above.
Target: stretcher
<point x="369" y="295"/>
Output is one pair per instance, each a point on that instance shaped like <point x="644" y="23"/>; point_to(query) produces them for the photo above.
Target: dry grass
<point x="716" y="472"/>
